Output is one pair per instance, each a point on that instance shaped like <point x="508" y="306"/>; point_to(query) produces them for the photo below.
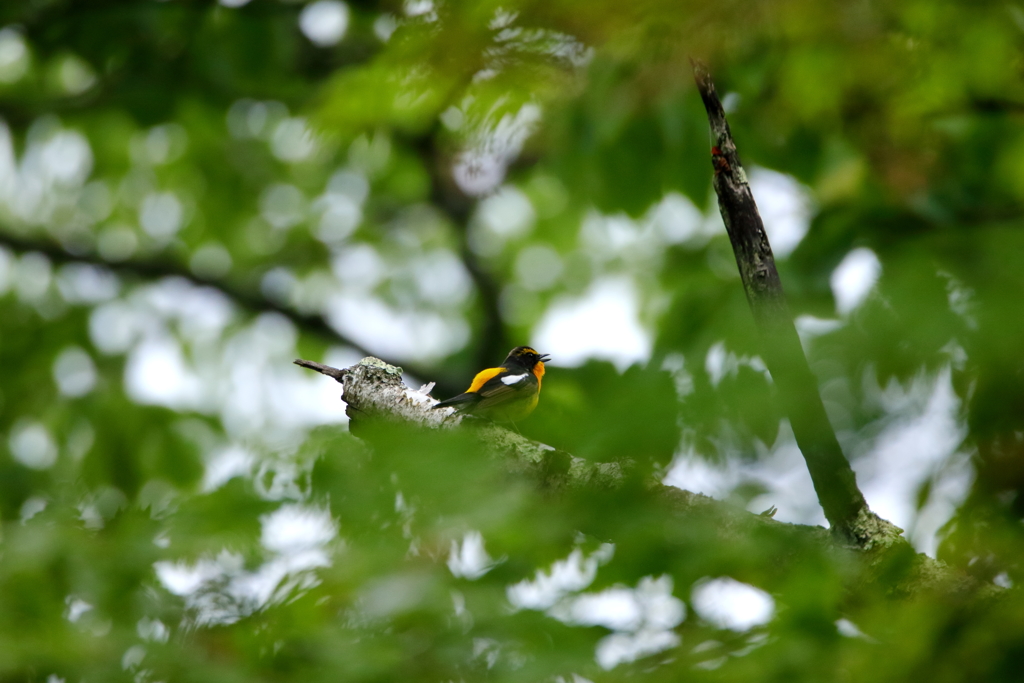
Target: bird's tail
<point x="459" y="400"/>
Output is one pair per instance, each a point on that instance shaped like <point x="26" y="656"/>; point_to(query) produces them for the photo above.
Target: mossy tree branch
<point x="374" y="394"/>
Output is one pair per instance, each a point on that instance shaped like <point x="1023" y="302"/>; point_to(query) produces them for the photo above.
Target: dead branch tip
<point x="337" y="374"/>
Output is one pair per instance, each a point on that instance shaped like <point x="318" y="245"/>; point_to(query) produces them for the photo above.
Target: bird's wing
<point x="492" y="387"/>
<point x="485" y="376"/>
<point x="471" y="396"/>
<point x="506" y="386"/>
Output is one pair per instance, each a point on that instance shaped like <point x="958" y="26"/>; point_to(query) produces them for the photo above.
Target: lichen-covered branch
<point x="374" y="393"/>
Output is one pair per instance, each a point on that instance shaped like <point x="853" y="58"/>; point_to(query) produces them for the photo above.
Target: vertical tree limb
<point x="834" y="480"/>
<point x="494" y="339"/>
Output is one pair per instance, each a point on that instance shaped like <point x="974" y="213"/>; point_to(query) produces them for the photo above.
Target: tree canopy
<point x="193" y="193"/>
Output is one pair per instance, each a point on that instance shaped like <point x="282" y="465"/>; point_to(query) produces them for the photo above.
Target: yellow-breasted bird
<point x="506" y="393"/>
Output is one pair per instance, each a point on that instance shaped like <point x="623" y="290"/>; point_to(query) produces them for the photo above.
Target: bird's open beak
<point x="544" y="358"/>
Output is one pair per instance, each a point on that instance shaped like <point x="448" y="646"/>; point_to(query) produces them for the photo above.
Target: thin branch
<point x="158" y="267"/>
<point x="335" y="373"/>
<point x="834" y="480"/>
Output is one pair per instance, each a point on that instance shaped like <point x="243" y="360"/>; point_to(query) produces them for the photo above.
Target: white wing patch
<point x="513" y="379"/>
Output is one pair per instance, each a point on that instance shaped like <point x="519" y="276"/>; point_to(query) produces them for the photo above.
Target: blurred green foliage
<point x="192" y="193"/>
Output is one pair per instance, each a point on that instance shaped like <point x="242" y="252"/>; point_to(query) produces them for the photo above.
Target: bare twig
<point x="834" y="480"/>
<point x="338" y="375"/>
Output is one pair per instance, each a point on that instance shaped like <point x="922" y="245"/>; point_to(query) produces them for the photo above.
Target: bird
<point x="507" y="393"/>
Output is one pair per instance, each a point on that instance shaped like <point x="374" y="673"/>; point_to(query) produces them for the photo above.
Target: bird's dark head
<point x="526" y="356"/>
